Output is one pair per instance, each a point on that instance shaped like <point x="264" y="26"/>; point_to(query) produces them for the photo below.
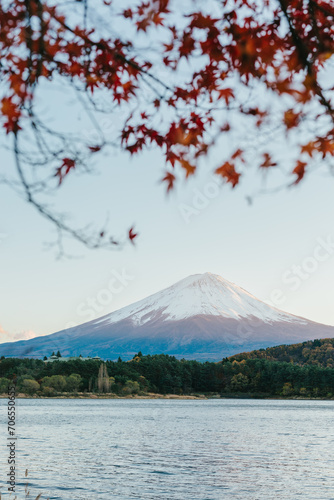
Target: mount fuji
<point x="203" y="317"/>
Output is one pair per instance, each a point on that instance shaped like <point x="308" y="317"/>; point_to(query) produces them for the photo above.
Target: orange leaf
<point x="267" y="162"/>
<point x="190" y="169"/>
<point x="326" y="147"/>
<point x="12" y="112"/>
<point x="309" y="148"/>
<point x="170" y="179"/>
<point x="238" y="154"/>
<point x="226" y="94"/>
<point x="228" y="172"/>
<point x="291" y="119"/>
<point x="299" y="170"/>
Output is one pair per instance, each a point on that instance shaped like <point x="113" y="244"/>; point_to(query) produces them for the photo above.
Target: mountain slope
<point x="201" y="317"/>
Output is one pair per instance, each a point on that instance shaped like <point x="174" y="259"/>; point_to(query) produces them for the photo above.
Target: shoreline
<point x="113" y="396"/>
<point x="193" y="397"/>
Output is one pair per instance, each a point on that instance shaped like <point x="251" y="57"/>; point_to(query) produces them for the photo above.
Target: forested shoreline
<point x="163" y="374"/>
<point x="319" y="352"/>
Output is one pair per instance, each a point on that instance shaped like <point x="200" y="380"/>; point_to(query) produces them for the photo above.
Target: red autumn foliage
<point x="258" y="64"/>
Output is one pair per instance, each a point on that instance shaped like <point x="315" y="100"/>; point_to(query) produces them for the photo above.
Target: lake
<point x="172" y="449"/>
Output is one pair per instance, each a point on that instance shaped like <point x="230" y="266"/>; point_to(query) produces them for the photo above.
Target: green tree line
<point x="318" y="352"/>
<point x="165" y="374"/>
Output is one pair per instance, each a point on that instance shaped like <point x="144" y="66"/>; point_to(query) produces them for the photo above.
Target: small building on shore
<point x="54" y="357"/>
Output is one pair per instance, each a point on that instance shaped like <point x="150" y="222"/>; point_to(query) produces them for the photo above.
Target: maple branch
<point x="102" y="46"/>
<point x="29" y="39"/>
<point x="322" y="8"/>
<point x="90" y="242"/>
<point x="41" y="39"/>
<point x="315" y="24"/>
<point x="159" y="102"/>
<point x="303" y="56"/>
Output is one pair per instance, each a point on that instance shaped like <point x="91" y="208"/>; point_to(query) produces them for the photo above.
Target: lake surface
<point x="173" y="449"/>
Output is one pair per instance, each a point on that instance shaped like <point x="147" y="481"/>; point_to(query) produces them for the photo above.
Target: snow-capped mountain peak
<point x="203" y="317"/>
<point x="198" y="295"/>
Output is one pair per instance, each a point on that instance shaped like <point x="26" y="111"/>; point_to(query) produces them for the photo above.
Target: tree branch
<point x="91" y="242"/>
<point x="303" y="57"/>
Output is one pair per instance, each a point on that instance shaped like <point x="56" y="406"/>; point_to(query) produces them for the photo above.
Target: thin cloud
<point x="13" y="337"/>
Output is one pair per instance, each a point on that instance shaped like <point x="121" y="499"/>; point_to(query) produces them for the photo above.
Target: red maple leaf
<point x="62" y="171"/>
<point x="95" y="149"/>
<point x="132" y="235"/>
<point x="226" y="94"/>
<point x="170" y="179"/>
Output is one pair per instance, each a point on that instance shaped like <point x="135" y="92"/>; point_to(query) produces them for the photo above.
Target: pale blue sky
<point x="250" y="245"/>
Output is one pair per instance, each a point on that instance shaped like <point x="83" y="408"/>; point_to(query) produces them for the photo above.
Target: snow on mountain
<point x="200" y="294"/>
<point x="201" y="317"/>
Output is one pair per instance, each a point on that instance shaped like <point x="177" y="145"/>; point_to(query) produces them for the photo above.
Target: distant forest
<point x="316" y="353"/>
<point x="285" y="371"/>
